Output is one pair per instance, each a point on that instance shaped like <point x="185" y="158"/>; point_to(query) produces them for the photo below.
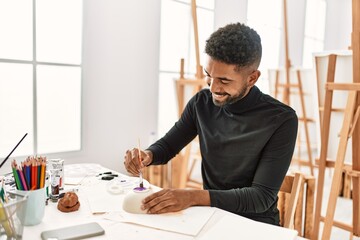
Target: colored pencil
<point x="28" y="174"/>
<point x="21" y="184"/>
<point x="38" y="174"/>
<point x="16" y="177"/>
<point x="33" y="175"/>
<point x="42" y="177"/>
<point x="22" y="179"/>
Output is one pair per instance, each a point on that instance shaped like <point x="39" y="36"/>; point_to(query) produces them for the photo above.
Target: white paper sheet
<point x="73" y="180"/>
<point x="189" y="221"/>
<point x="100" y="200"/>
<point x="232" y="226"/>
<point x="75" y="173"/>
<point x="82" y="169"/>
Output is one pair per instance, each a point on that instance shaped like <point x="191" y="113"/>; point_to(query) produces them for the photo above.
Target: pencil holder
<point x="11" y="225"/>
<point x="34" y="211"/>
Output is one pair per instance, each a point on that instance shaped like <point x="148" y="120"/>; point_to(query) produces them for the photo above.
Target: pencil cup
<point x="11" y="226"/>
<point x="35" y="207"/>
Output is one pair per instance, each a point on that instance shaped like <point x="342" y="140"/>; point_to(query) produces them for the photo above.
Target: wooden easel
<point x="157" y="175"/>
<point x="287" y="91"/>
<point x="180" y="177"/>
<point x="349" y="128"/>
<point x="303" y="119"/>
<point x="355" y="39"/>
<point x="347" y="131"/>
<point x="179" y="165"/>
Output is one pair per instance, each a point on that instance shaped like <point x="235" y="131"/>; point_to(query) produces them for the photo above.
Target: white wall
<point x="338" y="25"/>
<point x="236" y="11"/>
<point x="120" y="79"/>
<point x="229" y="11"/>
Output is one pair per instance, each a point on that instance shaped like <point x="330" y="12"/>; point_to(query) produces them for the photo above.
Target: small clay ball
<point x="69" y="203"/>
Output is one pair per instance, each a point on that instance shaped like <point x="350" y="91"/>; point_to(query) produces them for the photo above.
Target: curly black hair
<point x="235" y="44"/>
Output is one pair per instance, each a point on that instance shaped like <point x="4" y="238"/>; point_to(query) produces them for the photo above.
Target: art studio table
<point x="194" y="223"/>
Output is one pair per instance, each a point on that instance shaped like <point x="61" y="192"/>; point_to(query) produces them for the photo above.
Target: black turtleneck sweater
<point x="246" y="149"/>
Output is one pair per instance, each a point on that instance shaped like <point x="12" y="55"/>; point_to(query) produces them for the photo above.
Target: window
<point x="176" y="42"/>
<point x="314" y="29"/>
<point x="40" y="76"/>
<point x="268" y="24"/>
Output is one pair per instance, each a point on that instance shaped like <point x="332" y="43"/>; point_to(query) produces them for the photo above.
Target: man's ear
<point x="253" y="77"/>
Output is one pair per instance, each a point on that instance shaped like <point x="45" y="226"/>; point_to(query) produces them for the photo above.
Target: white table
<point x="117" y="230"/>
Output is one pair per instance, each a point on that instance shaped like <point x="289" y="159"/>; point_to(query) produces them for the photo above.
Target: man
<point x="246" y="138"/>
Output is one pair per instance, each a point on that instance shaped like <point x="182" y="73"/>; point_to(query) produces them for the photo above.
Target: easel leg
<point x="335" y="185"/>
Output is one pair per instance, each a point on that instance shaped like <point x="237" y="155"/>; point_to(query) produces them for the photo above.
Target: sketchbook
<point x="189" y="221"/>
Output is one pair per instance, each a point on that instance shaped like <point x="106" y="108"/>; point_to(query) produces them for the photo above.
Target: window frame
<point x="34" y="63"/>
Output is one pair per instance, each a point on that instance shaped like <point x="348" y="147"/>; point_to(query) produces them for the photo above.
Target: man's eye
<point x="224" y="81"/>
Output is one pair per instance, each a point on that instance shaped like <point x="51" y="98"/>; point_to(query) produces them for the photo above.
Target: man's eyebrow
<point x="221" y="78"/>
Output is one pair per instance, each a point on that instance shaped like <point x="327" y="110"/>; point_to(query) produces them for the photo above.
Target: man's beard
<point x="230" y="99"/>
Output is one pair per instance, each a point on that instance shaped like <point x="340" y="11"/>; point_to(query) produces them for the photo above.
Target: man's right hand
<point x="132" y="162"/>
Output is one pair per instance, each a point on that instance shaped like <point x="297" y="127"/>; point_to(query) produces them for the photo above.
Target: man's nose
<point x="213" y="84"/>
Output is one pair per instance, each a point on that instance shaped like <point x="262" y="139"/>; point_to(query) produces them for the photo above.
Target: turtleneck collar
<point x="245" y="103"/>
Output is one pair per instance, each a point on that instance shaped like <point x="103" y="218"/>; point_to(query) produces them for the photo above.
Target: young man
<point x="246" y="138"/>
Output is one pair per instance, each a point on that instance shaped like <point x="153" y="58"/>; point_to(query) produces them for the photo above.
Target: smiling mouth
<point x="219" y="96"/>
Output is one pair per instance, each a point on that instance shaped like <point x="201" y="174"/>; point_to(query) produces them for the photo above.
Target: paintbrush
<point x="140" y="175"/>
<point x="7" y="157"/>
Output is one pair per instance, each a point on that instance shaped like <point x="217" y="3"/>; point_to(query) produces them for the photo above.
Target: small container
<point x="54" y="184"/>
<point x="58" y="164"/>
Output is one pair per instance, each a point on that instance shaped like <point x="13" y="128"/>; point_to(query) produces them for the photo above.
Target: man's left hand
<point x="173" y="200"/>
